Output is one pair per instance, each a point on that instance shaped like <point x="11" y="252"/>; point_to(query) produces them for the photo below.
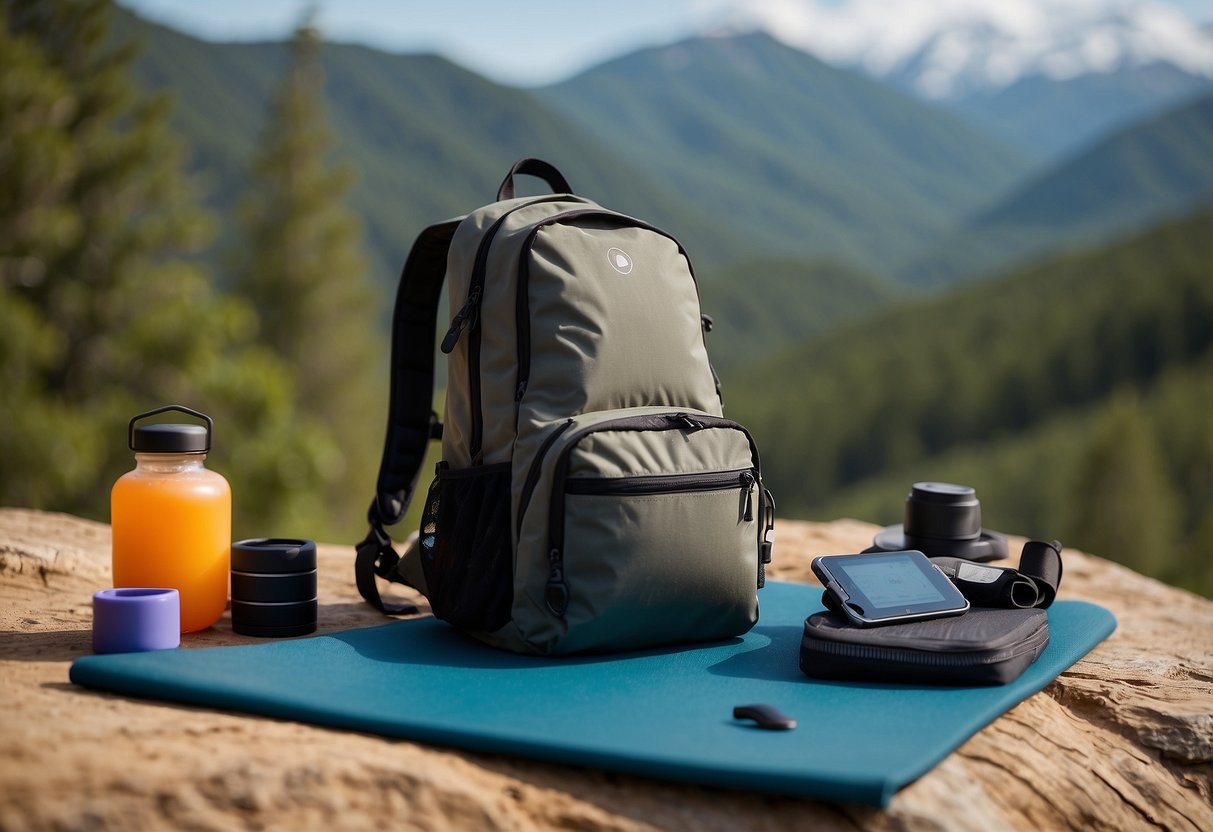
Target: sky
<point x="532" y="42"/>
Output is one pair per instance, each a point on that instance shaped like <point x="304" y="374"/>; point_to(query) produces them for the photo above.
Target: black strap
<point x="411" y="419"/>
<point x="1041" y="561"/>
<point x="1033" y="584"/>
<point x="375" y="556"/>
<point x="528" y="166"/>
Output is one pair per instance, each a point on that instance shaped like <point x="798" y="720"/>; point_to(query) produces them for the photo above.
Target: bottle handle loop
<point x="130" y="428"/>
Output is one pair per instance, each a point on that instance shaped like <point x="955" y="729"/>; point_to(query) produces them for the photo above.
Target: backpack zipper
<point x="647" y="484"/>
<point x="522" y="305"/>
<point x="469" y="316"/>
<point x="667" y="421"/>
<point x="556" y="592"/>
<point x="910" y="656"/>
<point x="532" y="476"/>
<point x="642" y="485"/>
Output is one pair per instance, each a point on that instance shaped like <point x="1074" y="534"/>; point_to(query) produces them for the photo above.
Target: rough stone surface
<point x="1122" y="740"/>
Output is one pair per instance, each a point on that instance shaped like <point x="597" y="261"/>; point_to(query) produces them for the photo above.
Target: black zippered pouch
<point x="981" y="647"/>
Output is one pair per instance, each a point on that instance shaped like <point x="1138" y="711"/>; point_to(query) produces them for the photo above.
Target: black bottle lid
<point x="170" y="438"/>
<point x="273" y="555"/>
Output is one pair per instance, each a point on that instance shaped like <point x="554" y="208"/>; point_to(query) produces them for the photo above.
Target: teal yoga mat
<point x="663" y="713"/>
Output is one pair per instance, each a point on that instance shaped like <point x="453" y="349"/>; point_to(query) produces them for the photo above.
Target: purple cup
<point x="136" y="619"/>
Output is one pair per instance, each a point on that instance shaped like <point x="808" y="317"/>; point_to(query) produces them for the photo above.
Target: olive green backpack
<point x="591" y="495"/>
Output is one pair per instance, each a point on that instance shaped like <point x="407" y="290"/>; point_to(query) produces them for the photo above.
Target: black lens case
<point x="274" y="587"/>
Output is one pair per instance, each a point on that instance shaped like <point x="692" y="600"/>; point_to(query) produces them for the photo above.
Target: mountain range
<point x="747" y="149"/>
<point x="771" y="151"/>
<point x="949" y="50"/>
<point x="1044" y="76"/>
<point x="1158" y="168"/>
<point x="1054" y="118"/>
<point x="808" y="158"/>
<point x="429" y="139"/>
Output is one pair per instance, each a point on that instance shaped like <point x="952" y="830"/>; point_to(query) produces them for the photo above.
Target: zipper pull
<point x="556" y="592"/>
<point x="469" y="313"/>
<point x="769" y="513"/>
<point x="685" y="421"/>
<point x="747" y="496"/>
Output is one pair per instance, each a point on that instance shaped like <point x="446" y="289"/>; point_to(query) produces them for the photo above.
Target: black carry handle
<point x="130" y="427"/>
<point x="529" y="166"/>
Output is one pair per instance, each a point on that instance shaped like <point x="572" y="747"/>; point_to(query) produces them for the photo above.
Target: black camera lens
<point x="942" y="520"/>
<point x="944" y="511"/>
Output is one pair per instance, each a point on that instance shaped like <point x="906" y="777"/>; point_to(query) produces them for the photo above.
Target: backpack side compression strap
<point x="411" y="419"/>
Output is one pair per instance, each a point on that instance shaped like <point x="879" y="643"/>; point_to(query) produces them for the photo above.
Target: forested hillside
<point x="982" y="364"/>
<point x="1149" y="505"/>
<point x="747" y="148"/>
<point x="1056" y="118"/>
<point x="761" y="306"/>
<point x="741" y="146"/>
<point x="1156" y="169"/>
<point x="807" y="158"/>
<point x="429" y="139"/>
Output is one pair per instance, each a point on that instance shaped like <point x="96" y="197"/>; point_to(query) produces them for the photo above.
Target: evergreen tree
<point x="37" y="165"/>
<point x="301" y="262"/>
<point x="102" y="312"/>
<point x="1123" y="506"/>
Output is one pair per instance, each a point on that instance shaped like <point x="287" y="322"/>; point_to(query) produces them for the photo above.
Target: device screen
<point x="895" y="582"/>
<point x="889" y="586"/>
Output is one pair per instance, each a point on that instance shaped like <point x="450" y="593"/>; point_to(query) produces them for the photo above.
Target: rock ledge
<point x="1122" y="740"/>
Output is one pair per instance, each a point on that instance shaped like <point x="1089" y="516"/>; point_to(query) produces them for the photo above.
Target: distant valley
<point x="1152" y="170"/>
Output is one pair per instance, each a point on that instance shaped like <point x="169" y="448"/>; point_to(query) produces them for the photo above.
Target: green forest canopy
<point x="934" y="387"/>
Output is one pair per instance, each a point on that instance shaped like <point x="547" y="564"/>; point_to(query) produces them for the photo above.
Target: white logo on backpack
<point x="619" y="260"/>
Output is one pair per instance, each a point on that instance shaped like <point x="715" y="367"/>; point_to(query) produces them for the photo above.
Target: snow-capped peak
<point x="947" y="48"/>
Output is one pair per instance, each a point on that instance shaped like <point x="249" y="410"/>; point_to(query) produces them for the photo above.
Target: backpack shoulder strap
<point x="412" y="422"/>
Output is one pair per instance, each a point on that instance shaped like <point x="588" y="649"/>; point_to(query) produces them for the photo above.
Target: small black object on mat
<point x="765" y="716"/>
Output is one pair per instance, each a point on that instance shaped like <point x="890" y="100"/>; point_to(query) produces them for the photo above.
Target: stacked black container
<point x="274" y="587"/>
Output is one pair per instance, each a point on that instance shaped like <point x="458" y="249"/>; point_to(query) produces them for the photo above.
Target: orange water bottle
<point x="172" y="518"/>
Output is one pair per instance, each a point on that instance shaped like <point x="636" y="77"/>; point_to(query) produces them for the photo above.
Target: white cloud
<point x="958" y="44"/>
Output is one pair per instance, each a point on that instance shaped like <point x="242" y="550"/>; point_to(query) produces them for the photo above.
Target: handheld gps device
<point x="887" y="587"/>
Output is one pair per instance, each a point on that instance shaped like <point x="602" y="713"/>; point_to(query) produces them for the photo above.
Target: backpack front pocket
<point x="652" y="531"/>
